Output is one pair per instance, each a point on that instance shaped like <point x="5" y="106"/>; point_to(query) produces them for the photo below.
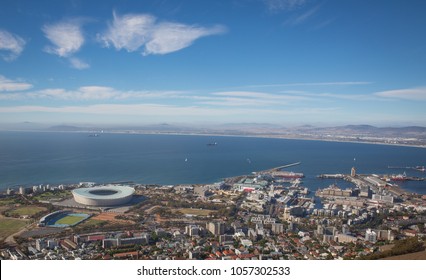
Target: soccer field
<point x="70" y="220"/>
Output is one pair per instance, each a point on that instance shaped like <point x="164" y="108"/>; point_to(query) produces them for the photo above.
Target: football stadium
<point x="104" y="196"/>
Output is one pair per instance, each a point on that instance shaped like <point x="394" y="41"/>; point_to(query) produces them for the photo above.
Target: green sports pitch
<point x="70" y="220"/>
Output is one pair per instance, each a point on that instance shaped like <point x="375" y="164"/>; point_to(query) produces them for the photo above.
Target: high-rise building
<point x="277" y="228"/>
<point x="371" y="236"/>
<point x="353" y="172"/>
<point x="216" y="228"/>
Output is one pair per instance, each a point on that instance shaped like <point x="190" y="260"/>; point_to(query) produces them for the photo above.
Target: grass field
<point x="92" y="223"/>
<point x="70" y="220"/>
<point x="194" y="211"/>
<point x="10" y="226"/>
<point x="27" y="210"/>
<point x="53" y="195"/>
<point x="7" y="201"/>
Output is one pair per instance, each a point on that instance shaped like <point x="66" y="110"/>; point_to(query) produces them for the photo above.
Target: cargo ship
<point x="399" y="177"/>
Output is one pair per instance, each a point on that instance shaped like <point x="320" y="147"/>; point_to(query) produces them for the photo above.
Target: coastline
<point x="262" y="136"/>
<point x="399" y="189"/>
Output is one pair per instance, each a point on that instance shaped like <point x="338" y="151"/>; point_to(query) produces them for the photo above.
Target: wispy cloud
<point x="11" y="85"/>
<point x="416" y="94"/>
<point x="343" y="96"/>
<point x="249" y="98"/>
<point x="166" y="112"/>
<point x="87" y="93"/>
<point x="170" y="37"/>
<point x="308" y="84"/>
<point x="11" y="45"/>
<point x="299" y="19"/>
<point x="66" y="37"/>
<point x="78" y="63"/>
<point x="142" y="32"/>
<point x="128" y="32"/>
<point x="284" y="5"/>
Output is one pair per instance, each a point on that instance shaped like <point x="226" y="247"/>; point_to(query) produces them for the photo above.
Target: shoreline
<point x="399" y="189"/>
<point x="264" y="136"/>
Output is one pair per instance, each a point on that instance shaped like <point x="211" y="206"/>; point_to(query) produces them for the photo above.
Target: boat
<point x="212" y="144"/>
<point x="420" y="168"/>
<point x="94" y="135"/>
<point x="399" y="177"/>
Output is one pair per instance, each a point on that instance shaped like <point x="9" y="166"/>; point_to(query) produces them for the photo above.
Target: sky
<point x="288" y="62"/>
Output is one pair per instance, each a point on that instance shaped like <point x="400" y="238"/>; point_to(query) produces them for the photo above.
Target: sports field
<point x="27" y="210"/>
<point x="68" y="219"/>
<point x="10" y="226"/>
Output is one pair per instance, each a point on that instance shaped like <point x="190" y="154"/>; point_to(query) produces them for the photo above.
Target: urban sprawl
<point x="265" y="215"/>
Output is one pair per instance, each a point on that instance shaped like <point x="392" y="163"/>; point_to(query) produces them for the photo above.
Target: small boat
<point x="212" y="144"/>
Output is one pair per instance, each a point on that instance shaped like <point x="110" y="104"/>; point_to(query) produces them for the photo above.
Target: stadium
<point x="104" y="196"/>
<point x="62" y="218"/>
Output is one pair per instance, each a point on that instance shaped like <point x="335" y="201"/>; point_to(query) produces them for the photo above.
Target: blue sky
<point x="288" y="62"/>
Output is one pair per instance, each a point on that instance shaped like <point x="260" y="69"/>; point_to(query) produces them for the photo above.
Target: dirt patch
<point x="105" y="216"/>
<point x="412" y="256"/>
<point x="111" y="218"/>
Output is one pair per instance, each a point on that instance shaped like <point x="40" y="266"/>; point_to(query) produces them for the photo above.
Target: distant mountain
<point x="67" y="128"/>
<point x="359" y="127"/>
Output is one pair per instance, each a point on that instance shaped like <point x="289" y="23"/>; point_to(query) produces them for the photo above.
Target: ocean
<point x="32" y="158"/>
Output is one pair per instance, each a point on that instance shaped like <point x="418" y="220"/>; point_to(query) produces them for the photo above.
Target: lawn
<point x="10" y="226"/>
<point x="53" y="195"/>
<point x="70" y="220"/>
<point x="27" y="210"/>
<point x="7" y="201"/>
<point x="195" y="211"/>
<point x="92" y="223"/>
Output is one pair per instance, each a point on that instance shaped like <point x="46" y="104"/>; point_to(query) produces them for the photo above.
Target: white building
<point x="371" y="236"/>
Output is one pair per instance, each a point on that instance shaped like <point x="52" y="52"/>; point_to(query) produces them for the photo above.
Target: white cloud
<point x="11" y="44"/>
<point x="416" y="94"/>
<point x="78" y="63"/>
<point x="66" y="37"/>
<point x="82" y="93"/>
<point x="134" y="32"/>
<point x="259" y="95"/>
<point x="88" y="93"/>
<point x="10" y="85"/>
<point x="349" y="83"/>
<point x="129" y="31"/>
<point x="169" y="111"/>
<point x="248" y="98"/>
<point x="171" y="37"/>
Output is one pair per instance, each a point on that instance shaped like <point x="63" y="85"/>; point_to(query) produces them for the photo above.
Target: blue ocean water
<point x="29" y="158"/>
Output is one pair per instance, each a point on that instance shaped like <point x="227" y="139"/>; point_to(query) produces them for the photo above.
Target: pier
<point x="278" y="168"/>
<point x="331" y="176"/>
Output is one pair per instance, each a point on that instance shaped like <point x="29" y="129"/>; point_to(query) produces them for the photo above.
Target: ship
<point x="399" y="177"/>
<point x="420" y="168"/>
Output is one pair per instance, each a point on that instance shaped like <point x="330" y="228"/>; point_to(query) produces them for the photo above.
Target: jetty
<point x="278" y="168"/>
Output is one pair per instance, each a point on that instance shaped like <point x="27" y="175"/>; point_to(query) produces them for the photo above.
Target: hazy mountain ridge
<point x="407" y="135"/>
